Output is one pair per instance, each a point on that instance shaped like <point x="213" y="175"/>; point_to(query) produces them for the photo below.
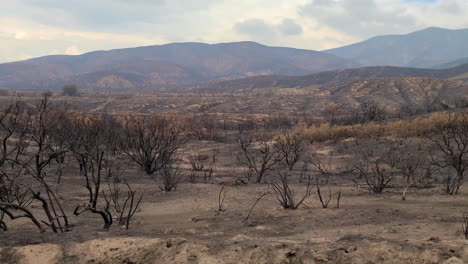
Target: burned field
<point x="124" y="187"/>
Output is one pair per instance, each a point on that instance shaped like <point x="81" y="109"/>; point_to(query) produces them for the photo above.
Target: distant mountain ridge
<point x="422" y="49"/>
<point x="227" y="66"/>
<point x="156" y="67"/>
<point x="452" y="64"/>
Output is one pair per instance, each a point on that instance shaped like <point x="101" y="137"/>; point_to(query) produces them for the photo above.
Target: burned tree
<point x="125" y="206"/>
<point x="15" y="196"/>
<point x="202" y="165"/>
<point x="324" y="172"/>
<point x="94" y="147"/>
<point x="291" y="148"/>
<point x="47" y="129"/>
<point x="203" y="125"/>
<point x="257" y="156"/>
<point x="451" y="141"/>
<point x="415" y="166"/>
<point x="171" y="176"/>
<point x="378" y="170"/>
<point x="151" y="142"/>
<point x="331" y="112"/>
<point x="286" y="196"/>
<point x="371" y="112"/>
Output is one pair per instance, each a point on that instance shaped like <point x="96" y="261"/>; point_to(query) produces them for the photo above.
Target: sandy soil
<point x="184" y="227"/>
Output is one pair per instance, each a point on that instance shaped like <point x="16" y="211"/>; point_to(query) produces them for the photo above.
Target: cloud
<point x="289" y="27"/>
<point x="255" y="28"/>
<point x="362" y="18"/>
<point x="441" y="13"/>
<point x="22" y="39"/>
<point x="73" y="50"/>
<point x="367" y="18"/>
<point x="21" y="35"/>
<point x="113" y="15"/>
<point x="39" y="27"/>
<point x="259" y="30"/>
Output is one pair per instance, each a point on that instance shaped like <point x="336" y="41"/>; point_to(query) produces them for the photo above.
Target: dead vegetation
<point x="296" y="159"/>
<point x="286" y="196"/>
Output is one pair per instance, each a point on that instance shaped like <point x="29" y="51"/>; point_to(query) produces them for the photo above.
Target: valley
<point x="238" y="152"/>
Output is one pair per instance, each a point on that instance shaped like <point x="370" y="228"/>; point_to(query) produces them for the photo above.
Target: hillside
<point x="156" y="67"/>
<point x="452" y="64"/>
<point x="424" y="48"/>
<point x="391" y="93"/>
<point x="336" y="76"/>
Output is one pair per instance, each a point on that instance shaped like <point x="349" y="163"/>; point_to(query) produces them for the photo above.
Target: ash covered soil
<point x="185" y="227"/>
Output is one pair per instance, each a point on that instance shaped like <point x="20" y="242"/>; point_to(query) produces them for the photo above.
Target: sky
<point x="32" y="28"/>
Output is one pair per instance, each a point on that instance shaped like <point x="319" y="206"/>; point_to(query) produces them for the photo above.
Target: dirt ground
<point x="184" y="227"/>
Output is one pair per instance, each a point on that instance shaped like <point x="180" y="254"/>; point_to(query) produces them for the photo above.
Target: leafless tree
<point x="325" y="200"/>
<point x="260" y="156"/>
<point x="114" y="189"/>
<point x="322" y="166"/>
<point x="371" y="112"/>
<point x="331" y="112"/>
<point x="286" y="196"/>
<point x="202" y="165"/>
<point x="415" y="166"/>
<point x="203" y="125"/>
<point x="151" y="142"/>
<point x="291" y="148"/>
<point x="47" y="132"/>
<point x="451" y="140"/>
<point x="375" y="170"/>
<point x="125" y="207"/>
<point x="171" y="176"/>
<point x="15" y="196"/>
<point x="93" y="148"/>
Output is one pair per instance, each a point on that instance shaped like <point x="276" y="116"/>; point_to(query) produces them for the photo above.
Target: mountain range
<point x="423" y="49"/>
<point x="157" y="67"/>
<point x="228" y="66"/>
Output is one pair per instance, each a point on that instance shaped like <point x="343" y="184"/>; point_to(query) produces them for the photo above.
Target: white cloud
<point x="73" y="50"/>
<point x="289" y="27"/>
<point x="367" y="18"/>
<point x="21" y="35"/>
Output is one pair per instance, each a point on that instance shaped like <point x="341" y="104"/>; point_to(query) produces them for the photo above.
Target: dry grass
<point x="417" y="127"/>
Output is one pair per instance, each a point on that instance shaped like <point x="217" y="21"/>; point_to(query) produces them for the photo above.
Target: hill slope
<point x="425" y="48"/>
<point x="391" y="93"/>
<point x="156" y="67"/>
<point x="452" y="64"/>
<point x="336" y="76"/>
